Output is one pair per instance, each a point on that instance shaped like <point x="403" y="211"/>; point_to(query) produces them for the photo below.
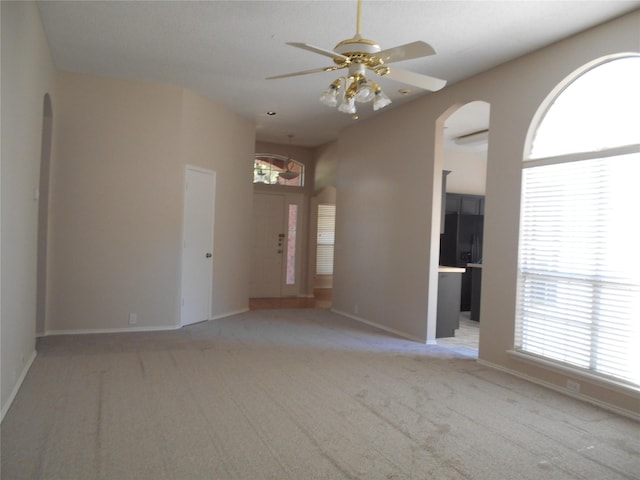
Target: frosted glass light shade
<point x="365" y="93"/>
<point x="330" y="96"/>
<point x="348" y="106"/>
<point x="381" y="100"/>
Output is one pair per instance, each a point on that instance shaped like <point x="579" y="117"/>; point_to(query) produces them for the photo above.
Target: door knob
<point x="208" y="255"/>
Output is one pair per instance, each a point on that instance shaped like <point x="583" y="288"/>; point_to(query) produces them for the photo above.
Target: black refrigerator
<point x="461" y="243"/>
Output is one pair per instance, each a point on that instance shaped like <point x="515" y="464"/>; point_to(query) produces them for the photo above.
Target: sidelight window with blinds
<point x="325" y="239"/>
<point x="578" y="299"/>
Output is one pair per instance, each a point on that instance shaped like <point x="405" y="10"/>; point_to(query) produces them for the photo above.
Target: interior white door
<point x="268" y="247"/>
<point x="197" y="245"/>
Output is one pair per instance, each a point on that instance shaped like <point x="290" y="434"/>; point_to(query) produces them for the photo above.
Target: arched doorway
<point x="463" y="152"/>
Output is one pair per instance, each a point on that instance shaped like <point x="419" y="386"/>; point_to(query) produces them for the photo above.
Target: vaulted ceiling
<point x="225" y="49"/>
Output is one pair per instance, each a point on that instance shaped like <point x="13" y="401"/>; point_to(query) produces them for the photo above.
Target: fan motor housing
<point x="357" y="45"/>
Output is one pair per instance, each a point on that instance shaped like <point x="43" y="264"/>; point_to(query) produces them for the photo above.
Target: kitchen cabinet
<point x="448" y="312"/>
<point x="464" y="204"/>
<point x="460" y="244"/>
<point x="476" y="289"/>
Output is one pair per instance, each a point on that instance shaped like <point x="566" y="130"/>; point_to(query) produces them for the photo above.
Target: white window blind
<point x="325" y="239"/>
<point x="579" y="282"/>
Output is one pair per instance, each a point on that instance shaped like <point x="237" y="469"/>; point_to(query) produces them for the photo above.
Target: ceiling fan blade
<point x="321" y="51"/>
<point x="406" y="52"/>
<point x="416" y="79"/>
<point x="303" y="72"/>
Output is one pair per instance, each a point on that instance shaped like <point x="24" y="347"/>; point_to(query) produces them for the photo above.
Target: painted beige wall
<point x="326" y="166"/>
<point x="116" y="205"/>
<point x="383" y="216"/>
<point x="120" y="150"/>
<point x="217" y="139"/>
<point x="385" y="263"/>
<point x="27" y="74"/>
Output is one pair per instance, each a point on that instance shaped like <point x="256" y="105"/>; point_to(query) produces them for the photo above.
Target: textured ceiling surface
<point x="225" y="49"/>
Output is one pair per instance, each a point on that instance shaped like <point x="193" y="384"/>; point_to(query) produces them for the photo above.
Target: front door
<point x="268" y="247"/>
<point x="197" y="245"/>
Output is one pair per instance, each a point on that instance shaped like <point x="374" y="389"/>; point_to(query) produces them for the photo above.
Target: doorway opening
<point x="43" y="214"/>
<point x="465" y="134"/>
<point x="197" y="245"/>
<point x="276" y="249"/>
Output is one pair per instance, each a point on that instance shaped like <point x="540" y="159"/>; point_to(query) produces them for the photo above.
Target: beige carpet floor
<point x="296" y="394"/>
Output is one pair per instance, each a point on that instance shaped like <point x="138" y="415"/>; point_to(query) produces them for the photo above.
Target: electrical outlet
<point x="133" y="318"/>
<point x="573" y="386"/>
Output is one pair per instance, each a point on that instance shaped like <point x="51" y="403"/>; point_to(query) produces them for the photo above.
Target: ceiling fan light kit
<point x="330" y="96"/>
<point x="359" y="54"/>
<point x="380" y="100"/>
<point x="288" y="174"/>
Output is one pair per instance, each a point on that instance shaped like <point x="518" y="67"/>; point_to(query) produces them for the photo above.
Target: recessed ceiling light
<point x="271" y="113"/>
<point x="404" y="91"/>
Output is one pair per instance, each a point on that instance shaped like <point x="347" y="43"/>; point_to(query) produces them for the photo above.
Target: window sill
<point x="575" y="372"/>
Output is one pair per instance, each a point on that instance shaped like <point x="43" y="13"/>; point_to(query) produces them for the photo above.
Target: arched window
<point x="274" y="169"/>
<point x="578" y="300"/>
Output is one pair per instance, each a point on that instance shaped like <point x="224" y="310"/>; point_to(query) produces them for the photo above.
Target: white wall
<point x="468" y="171"/>
<point x="27" y="75"/>
<point x="386" y="217"/>
<point x="120" y="149"/>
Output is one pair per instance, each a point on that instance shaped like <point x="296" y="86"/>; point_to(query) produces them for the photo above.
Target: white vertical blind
<point x="579" y="281"/>
<point x="325" y="239"/>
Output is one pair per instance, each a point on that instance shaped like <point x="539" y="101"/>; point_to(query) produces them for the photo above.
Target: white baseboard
<point x="88" y="331"/>
<point x="566" y="391"/>
<point x="153" y="328"/>
<point x="229" y="314"/>
<point x="381" y="327"/>
<point x="16" y="387"/>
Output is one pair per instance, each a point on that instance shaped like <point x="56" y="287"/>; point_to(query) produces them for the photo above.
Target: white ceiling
<point x="225" y="49"/>
<point x="469" y="119"/>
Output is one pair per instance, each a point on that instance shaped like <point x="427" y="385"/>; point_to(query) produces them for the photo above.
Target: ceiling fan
<point x="358" y="54"/>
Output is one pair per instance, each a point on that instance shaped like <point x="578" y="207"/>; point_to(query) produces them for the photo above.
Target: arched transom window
<point x="271" y="169"/>
<point x="578" y="300"/>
